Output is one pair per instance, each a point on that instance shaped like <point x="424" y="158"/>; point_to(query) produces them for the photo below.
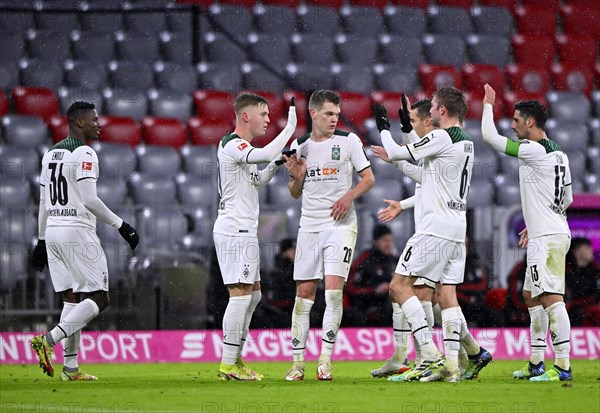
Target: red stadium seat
<point x="380" y="4"/>
<point x="510" y="98"/>
<point x="467" y="4"/>
<point x="214" y="105"/>
<point x="289" y="3"/>
<point x="580" y="50"/>
<point x="496" y="298"/>
<point x="533" y="49"/>
<point x="59" y="128"/>
<point x="301" y="106"/>
<point x="475" y="76"/>
<point x="37" y="101"/>
<point x="475" y="105"/>
<point x="207" y="132"/>
<point x="435" y="76"/>
<point x="326" y="3"/>
<point x="572" y="78"/>
<point x="536" y="20"/>
<point x="509" y="4"/>
<point x="120" y="130"/>
<point x="356" y="107"/>
<point x="528" y="78"/>
<point x="597" y="74"/>
<point x="552" y="5"/>
<point x="163" y="132"/>
<point x="4" y="104"/>
<point x="204" y="3"/>
<point x="243" y="3"/>
<point x="581" y="18"/>
<point x="390" y="100"/>
<point x="422" y="4"/>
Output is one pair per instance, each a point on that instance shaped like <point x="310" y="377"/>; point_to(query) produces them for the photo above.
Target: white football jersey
<point x="417" y="208"/>
<point x="238" y="196"/>
<point x="447" y="156"/>
<point x="330" y="166"/>
<point x="543" y="174"/>
<point x="66" y="163"/>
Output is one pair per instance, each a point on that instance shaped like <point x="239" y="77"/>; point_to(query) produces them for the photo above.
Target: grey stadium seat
<point x="595" y="131"/>
<point x="356" y="49"/>
<point x="200" y="161"/>
<point x="275" y="20"/>
<point x="91" y="47"/>
<point x="485" y="164"/>
<point x="310" y="48"/>
<point x="40" y="73"/>
<point x="217" y="76"/>
<point x="507" y="191"/>
<point x="12" y="47"/>
<point x="153" y="191"/>
<point x="20" y="163"/>
<point x="117" y="161"/>
<point x="279" y="196"/>
<point x="169" y="103"/>
<point x="195" y="193"/>
<point x="176" y="47"/>
<point x="394" y="78"/>
<point x="128" y="75"/>
<point x="323" y="21"/>
<point x="68" y="95"/>
<point x="9" y="75"/>
<point x="402" y="50"/>
<point x="177" y="76"/>
<point x="48" y="45"/>
<point x="383" y="189"/>
<point x="101" y="22"/>
<point x="593" y="154"/>
<point x="15" y="22"/>
<point x="592" y="183"/>
<point x="112" y="191"/>
<point x="309" y="77"/>
<point x="408" y="21"/>
<point x="496" y="21"/>
<point x="274" y="51"/>
<point x="570" y="136"/>
<point x="488" y="49"/>
<point x="137" y="47"/>
<point x="596" y="102"/>
<point x="220" y="49"/>
<point x="57" y="22"/>
<point x="24" y="131"/>
<point x="481" y="194"/>
<point x="353" y="78"/>
<point x="577" y="162"/>
<point x="18" y="225"/>
<point x="162" y="227"/>
<point x="256" y="77"/>
<point x="128" y="102"/>
<point x="158" y="161"/>
<point x="86" y="75"/>
<point x="150" y="23"/>
<point x="568" y="106"/>
<point x="14" y="193"/>
<point x="449" y="20"/>
<point x="444" y="49"/>
<point x="361" y="20"/>
<point x="235" y="19"/>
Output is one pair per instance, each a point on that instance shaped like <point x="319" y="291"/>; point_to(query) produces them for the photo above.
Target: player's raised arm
<point x="274" y="148"/>
<point x="488" y="128"/>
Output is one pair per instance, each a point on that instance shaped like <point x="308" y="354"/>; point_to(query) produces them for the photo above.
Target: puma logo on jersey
<point x="89" y="153"/>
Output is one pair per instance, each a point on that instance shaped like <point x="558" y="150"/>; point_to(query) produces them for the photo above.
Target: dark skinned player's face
<point x="90" y="125"/>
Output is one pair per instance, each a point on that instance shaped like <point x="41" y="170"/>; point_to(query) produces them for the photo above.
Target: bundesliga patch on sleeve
<point x="242" y="146"/>
<point x="86" y="166"/>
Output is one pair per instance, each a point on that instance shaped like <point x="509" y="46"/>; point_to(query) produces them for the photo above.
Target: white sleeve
<point x="489" y="131"/>
<point x="414" y="172"/>
<point x="89" y="198"/>
<point x="265" y="175"/>
<point x="42" y="214"/>
<point x="358" y="157"/>
<point x="274" y="148"/>
<point x="431" y="144"/>
<point x="394" y="151"/>
<point x="410" y="137"/>
<point x="408" y="203"/>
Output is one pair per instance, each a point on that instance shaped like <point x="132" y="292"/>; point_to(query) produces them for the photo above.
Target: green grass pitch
<point x="195" y="388"/>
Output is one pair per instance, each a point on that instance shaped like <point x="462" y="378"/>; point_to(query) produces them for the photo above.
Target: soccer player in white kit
<point x="437" y="250"/>
<point x="235" y="229"/>
<point x="545" y="186"/>
<point x="321" y="172"/>
<point x="67" y="240"/>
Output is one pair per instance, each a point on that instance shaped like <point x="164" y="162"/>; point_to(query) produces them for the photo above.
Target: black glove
<point x="293" y="101"/>
<point x="130" y="235"/>
<point x="405" y="116"/>
<point x="286" y="153"/>
<point x="39" y="257"/>
<point x="381" y="117"/>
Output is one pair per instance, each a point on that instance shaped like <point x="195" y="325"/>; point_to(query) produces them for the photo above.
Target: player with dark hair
<point x="68" y="244"/>
<point x="545" y="183"/>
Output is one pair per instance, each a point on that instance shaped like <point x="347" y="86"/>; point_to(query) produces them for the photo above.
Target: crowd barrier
<point x="353" y="344"/>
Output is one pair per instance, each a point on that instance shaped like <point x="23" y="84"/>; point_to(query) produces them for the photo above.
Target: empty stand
<point x="24" y="130"/>
<point x="120" y="130"/>
<point x="169" y="103"/>
<point x="35" y="101"/>
<point x="164" y="131"/>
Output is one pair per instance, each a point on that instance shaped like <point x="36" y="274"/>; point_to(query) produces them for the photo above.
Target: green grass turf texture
<point x="195" y="387"/>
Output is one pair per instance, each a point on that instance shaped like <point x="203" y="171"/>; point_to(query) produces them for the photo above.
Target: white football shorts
<point x="546" y="264"/>
<point x="239" y="258"/>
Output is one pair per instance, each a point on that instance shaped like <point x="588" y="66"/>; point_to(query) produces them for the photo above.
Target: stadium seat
<point x="125" y="102"/>
<point x="200" y="161"/>
<point x="507" y="4"/>
<point x="569" y="106"/>
<point x="319" y="20"/>
<point x="113" y="192"/>
<point x="287" y="3"/>
<point x="356" y="49"/>
<point x="309" y="76"/>
<point x="444" y="49"/>
<point x="488" y="49"/>
<point x="475" y="76"/>
<point x="219" y="76"/>
<point x="35" y="101"/>
<point x="544" y="18"/>
<point x="523" y="44"/>
<point x="9" y="75"/>
<point x="510" y="98"/>
<point x="391" y="101"/>
<point x="59" y="128"/>
<point x="15" y="22"/>
<point x="435" y="76"/>
<point x="48" y="45"/>
<point x="120" y="130"/>
<point x="68" y="95"/>
<point x="219" y="49"/>
<point x="405" y="20"/>
<point x="163" y="131"/>
<point x="158" y="161"/>
<point x="86" y="75"/>
<point x="422" y="4"/>
<point x="528" y="77"/>
<point x="184" y="82"/>
<point x="570" y="136"/>
<point x="355" y="107"/>
<point x="12" y="47"/>
<point x="277" y="20"/>
<point x="14" y="193"/>
<point x="193" y="191"/>
<point x="176" y="47"/>
<point x="301" y="106"/>
<point x="57" y="22"/>
<point x="233" y="18"/>
<point x="400" y="50"/>
<point x="273" y="51"/>
<point x="164" y="228"/>
<point x="507" y="191"/>
<point x="4" y="103"/>
<point x="456" y="3"/>
<point x="593" y="154"/>
<point x="448" y="20"/>
<point x="579" y="18"/>
<point x="24" y="131"/>
<point x="394" y="78"/>
<point x="117" y="161"/>
<point x="383" y="189"/>
<point x="497" y="21"/>
<point x="552" y="5"/>
<point x="279" y="196"/>
<point x="129" y="75"/>
<point x="475" y="105"/>
<point x="353" y="78"/>
<point x="572" y="77"/>
<point x="101" y="22"/>
<point x="18" y="163"/>
<point x="255" y="76"/>
<point x="90" y="47"/>
<point x="145" y="23"/>
<point x="137" y="47"/>
<point x="169" y="103"/>
<point x="311" y="48"/>
<point x="578" y="50"/>
<point x="40" y="73"/>
<point x="361" y="20"/>
<point x="485" y="163"/>
<point x="592" y="183"/>
<point x="481" y="194"/>
<point x="473" y="128"/>
<point x="214" y="105"/>
<point x="577" y="162"/>
<point x="204" y="131"/>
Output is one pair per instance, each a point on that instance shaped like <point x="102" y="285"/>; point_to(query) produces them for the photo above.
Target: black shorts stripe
<point x="298" y="348"/>
<point x="560" y="342"/>
<point x="231" y="344"/>
<point x="402" y="331"/>
<point x="421" y="328"/>
<point x="327" y="341"/>
<point x="452" y="339"/>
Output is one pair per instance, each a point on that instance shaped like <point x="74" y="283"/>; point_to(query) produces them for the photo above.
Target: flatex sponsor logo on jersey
<point x="328" y="172"/>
